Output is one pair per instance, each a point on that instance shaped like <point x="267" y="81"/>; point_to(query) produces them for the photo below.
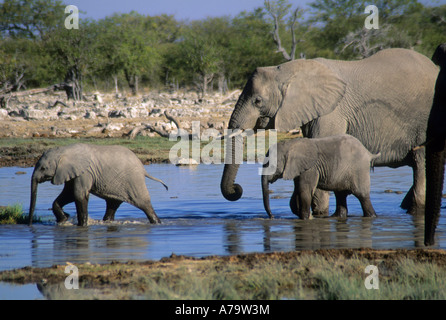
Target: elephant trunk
<point x="265" y="191"/>
<point x="435" y="157"/>
<point x="32" y="205"/>
<point x="230" y="190"/>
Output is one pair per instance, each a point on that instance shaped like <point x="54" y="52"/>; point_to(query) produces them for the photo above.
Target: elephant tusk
<point x="421" y="146"/>
<point x="418" y="148"/>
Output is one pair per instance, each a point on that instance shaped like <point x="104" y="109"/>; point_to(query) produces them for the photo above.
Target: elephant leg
<point x="150" y="213"/>
<point x="307" y="183"/>
<point x="82" y="210"/>
<point x="341" y="204"/>
<point x="325" y="126"/>
<point x="294" y="201"/>
<point x="65" y="197"/>
<point x="320" y="203"/>
<point x="414" y="200"/>
<point x="143" y="203"/>
<point x="112" y="206"/>
<point x="366" y="204"/>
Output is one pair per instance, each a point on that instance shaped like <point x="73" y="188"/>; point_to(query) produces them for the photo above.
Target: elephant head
<point x="57" y="165"/>
<point x="283" y="97"/>
<point x="435" y="149"/>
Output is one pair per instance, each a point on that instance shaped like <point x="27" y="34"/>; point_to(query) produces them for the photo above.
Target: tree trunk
<point x="132" y="81"/>
<point x="115" y="78"/>
<point x="222" y="84"/>
<point x="73" y="84"/>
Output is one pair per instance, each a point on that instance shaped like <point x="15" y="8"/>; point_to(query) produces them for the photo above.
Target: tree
<point x="73" y="53"/>
<point x="30" y="18"/>
<point x="364" y="42"/>
<point x="278" y="10"/>
<point x="201" y="58"/>
<point x="129" y="46"/>
<point x="250" y="47"/>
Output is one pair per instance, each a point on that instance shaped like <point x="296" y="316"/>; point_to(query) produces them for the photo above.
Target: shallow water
<point x="198" y="221"/>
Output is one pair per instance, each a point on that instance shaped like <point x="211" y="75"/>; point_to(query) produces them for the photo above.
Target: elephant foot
<point x="416" y="211"/>
<point x="411" y="205"/>
<point x="321" y="213"/>
<point x="155" y="220"/>
<point x="370" y="215"/>
<point x="320" y="203"/>
<point x="63" y="218"/>
<point x="340" y="214"/>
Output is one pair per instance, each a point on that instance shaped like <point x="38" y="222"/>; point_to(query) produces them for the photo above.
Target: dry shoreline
<point x="296" y="275"/>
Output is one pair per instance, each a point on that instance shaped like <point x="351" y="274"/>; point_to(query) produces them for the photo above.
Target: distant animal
<point x="337" y="163"/>
<point x="113" y="173"/>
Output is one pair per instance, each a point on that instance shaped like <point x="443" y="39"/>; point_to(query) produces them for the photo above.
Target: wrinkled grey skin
<point x="337" y="163"/>
<point x="384" y="101"/>
<point x="112" y="173"/>
<point x="435" y="149"/>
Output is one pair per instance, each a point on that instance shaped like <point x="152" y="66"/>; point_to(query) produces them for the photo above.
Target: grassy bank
<point x="321" y="274"/>
<point x="25" y="152"/>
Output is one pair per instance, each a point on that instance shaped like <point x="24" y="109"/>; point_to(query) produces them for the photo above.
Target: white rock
<point x="185" y="162"/>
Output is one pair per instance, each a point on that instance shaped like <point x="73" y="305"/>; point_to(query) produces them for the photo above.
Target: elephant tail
<point x="155" y="179"/>
<point x="373" y="157"/>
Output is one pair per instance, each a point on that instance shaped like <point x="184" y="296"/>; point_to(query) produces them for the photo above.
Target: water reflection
<point x="197" y="221"/>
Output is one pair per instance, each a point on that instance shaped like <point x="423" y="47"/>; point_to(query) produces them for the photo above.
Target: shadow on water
<point x="198" y="222"/>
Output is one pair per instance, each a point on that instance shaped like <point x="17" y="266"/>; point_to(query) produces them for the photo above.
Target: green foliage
<point x="12" y="215"/>
<point x="30" y="19"/>
<point x="129" y="50"/>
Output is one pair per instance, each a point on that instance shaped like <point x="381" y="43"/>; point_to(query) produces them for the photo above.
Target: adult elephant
<point x="435" y="149"/>
<point x="384" y="101"/>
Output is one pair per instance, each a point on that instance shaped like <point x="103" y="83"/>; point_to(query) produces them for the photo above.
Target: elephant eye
<point x="258" y="101"/>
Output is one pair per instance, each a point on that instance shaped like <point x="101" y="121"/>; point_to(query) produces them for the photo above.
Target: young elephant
<point x="337" y="163"/>
<point x="112" y="173"/>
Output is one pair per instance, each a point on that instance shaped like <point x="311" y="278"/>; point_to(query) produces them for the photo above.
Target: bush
<point x="13" y="215"/>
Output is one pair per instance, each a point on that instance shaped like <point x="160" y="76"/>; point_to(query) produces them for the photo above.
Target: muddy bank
<point x="294" y="275"/>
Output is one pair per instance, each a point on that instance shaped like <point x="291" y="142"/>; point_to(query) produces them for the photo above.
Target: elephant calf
<point x="113" y="173"/>
<point x="337" y="163"/>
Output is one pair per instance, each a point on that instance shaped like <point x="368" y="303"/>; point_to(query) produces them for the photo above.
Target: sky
<point x="181" y="9"/>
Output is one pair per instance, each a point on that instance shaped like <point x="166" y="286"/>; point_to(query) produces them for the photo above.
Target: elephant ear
<point x="300" y="158"/>
<point x="310" y="90"/>
<point x="72" y="164"/>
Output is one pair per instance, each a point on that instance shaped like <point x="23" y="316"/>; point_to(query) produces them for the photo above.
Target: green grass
<point x="148" y="149"/>
<point x="14" y="215"/>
